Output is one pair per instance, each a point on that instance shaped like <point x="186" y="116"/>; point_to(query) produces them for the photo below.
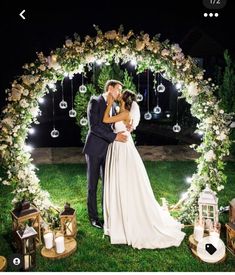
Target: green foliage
<point x="227" y="87"/>
<point x="167" y="181"/>
<point x="227" y="91"/>
<point x="99" y="78"/>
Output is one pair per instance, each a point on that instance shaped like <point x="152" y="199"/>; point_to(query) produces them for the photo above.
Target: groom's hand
<point x="121" y="137"/>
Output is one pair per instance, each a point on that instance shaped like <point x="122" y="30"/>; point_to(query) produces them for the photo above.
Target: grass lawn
<point x="67" y="183"/>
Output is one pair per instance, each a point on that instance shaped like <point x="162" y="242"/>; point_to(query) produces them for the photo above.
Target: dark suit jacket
<point x="100" y="134"/>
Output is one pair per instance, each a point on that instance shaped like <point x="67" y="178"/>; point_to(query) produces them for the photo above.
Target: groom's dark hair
<point x="111" y="82"/>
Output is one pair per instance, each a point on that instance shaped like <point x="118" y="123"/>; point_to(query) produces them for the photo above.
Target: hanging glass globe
<point x="83" y="121"/>
<point x="72" y="113"/>
<point x="161" y="88"/>
<point x="176" y="128"/>
<point x="157" y="109"/>
<point x="55" y="133"/>
<point x="139" y="97"/>
<point x="82" y="89"/>
<point x="148" y="116"/>
<point x="63" y="104"/>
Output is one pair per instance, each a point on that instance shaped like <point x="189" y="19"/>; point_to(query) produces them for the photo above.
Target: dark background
<point x="48" y="24"/>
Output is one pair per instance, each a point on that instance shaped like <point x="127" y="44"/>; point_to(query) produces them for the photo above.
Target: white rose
<point x="210" y="156"/>
<point x="140" y="45"/>
<point x="90" y="58"/>
<point x="24" y="103"/>
<point x="25" y="92"/>
<point x="222" y="136"/>
<point x="6" y="182"/>
<point x="42" y="67"/>
<point x="176" y="48"/>
<point x="69" y="43"/>
<point x="209" y="120"/>
<point x="193" y="89"/>
<point x="110" y="35"/>
<point x="165" y="52"/>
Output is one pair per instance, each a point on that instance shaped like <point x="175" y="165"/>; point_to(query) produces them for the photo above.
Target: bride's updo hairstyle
<point x="128" y="97"/>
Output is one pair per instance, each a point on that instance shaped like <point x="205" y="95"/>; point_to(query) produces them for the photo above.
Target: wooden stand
<point x="70" y="247"/>
<point x="193" y="245"/>
<point x="230" y="233"/>
<point x="3" y="263"/>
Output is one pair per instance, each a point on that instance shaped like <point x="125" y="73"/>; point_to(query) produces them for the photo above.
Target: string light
<point x="32" y="131"/>
<point x="160" y="88"/>
<point x="176" y="127"/>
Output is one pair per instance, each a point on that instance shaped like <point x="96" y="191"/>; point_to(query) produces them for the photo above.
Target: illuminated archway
<point x="74" y="57"/>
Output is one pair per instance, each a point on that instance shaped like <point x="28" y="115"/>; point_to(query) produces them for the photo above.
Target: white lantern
<point x="208" y="207"/>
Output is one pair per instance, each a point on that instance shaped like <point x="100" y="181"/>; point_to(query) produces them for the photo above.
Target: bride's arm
<point x="107" y="119"/>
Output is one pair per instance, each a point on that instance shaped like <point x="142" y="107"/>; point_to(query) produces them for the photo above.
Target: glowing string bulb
<point x="63" y="104"/>
<point x="148" y="116"/>
<point x="176" y="128"/>
<point x="72" y="113"/>
<point x="55" y="133"/>
<point x="83" y="121"/>
<point x="82" y="89"/>
<point x="139" y="97"/>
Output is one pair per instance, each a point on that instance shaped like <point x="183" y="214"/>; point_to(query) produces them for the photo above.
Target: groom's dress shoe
<point x="97" y="224"/>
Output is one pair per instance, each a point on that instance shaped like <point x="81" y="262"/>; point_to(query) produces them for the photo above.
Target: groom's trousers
<point x="95" y="170"/>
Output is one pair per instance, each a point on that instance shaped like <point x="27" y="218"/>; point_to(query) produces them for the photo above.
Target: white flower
<point x="8" y="121"/>
<point x="110" y="35"/>
<point x="90" y="58"/>
<point x="176" y="48"/>
<point x="220" y="187"/>
<point x="209" y="120"/>
<point x="210" y="156"/>
<point x="221" y="111"/>
<point x="193" y="89"/>
<point x="6" y="182"/>
<point x="140" y="45"/>
<point x="24" y="103"/>
<point x="30" y="79"/>
<point x="222" y="136"/>
<point x="42" y="67"/>
<point x="3" y="146"/>
<point x="25" y="92"/>
<point x="165" y="52"/>
<point x="69" y="43"/>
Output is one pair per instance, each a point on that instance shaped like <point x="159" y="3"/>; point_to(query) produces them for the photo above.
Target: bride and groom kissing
<point x="131" y="213"/>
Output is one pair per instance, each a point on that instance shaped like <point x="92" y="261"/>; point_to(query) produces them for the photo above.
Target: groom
<point x="100" y="135"/>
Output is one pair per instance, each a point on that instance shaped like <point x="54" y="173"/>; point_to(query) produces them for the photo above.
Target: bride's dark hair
<point x="128" y="97"/>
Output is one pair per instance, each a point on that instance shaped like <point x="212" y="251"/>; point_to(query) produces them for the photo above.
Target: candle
<point x="214" y="234"/>
<point x="59" y="244"/>
<point x="198" y="233"/>
<point x="208" y="224"/>
<point x="26" y="261"/>
<point x="48" y="240"/>
<point x="69" y="228"/>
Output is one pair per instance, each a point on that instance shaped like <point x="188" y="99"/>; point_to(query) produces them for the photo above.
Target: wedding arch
<point x="74" y="57"/>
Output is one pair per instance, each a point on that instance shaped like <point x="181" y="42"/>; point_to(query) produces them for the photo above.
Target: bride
<point x="131" y="213"/>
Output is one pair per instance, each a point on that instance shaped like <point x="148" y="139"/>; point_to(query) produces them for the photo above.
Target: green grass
<point x="67" y="183"/>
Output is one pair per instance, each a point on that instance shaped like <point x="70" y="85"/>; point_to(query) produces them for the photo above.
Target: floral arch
<point x="74" y="57"/>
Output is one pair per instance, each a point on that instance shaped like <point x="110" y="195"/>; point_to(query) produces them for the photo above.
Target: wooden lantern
<point x="232" y="211"/>
<point x="25" y="214"/>
<point x="230" y="234"/>
<point x="26" y="246"/>
<point x="208" y="207"/>
<point x="68" y="221"/>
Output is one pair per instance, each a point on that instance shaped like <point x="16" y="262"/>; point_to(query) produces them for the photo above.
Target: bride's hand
<point x="110" y="99"/>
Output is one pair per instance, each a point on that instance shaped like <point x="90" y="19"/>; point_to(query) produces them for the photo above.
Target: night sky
<point x="47" y="25"/>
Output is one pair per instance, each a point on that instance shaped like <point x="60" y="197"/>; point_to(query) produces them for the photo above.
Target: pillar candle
<point x="69" y="228"/>
<point x="48" y="239"/>
<point x="198" y="233"/>
<point x="59" y="244"/>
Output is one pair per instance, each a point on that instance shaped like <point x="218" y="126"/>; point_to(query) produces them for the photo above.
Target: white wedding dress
<point x="131" y="213"/>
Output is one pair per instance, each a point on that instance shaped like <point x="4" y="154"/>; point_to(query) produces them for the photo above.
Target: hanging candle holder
<point x="176" y="128"/>
<point x="83" y="121"/>
<point x="82" y="88"/>
<point x="54" y="133"/>
<point x="160" y="88"/>
<point x="157" y="109"/>
<point x="63" y="104"/>
<point x="139" y="96"/>
<point x="148" y="115"/>
<point x="72" y="112"/>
